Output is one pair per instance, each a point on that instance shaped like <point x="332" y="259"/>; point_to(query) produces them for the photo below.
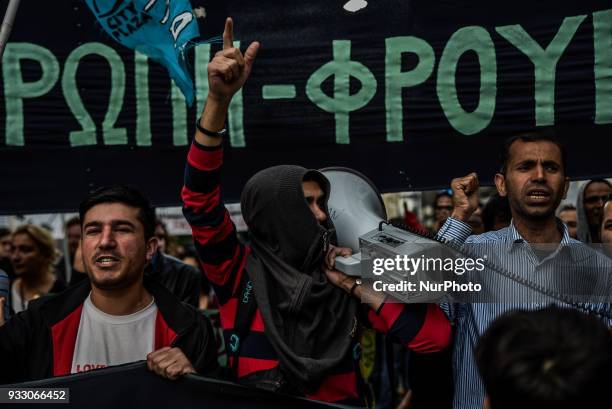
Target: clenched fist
<point x="465" y="196"/>
<point x="169" y="363"/>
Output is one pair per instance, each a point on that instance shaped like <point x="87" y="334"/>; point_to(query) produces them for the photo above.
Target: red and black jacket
<point x="39" y="342"/>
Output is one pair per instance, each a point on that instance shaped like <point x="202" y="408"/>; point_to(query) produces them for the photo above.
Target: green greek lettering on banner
<point x="278" y="91"/>
<point x="602" y="37"/>
<point x="16" y="90"/>
<point x="475" y="39"/>
<point x="143" y="107"/>
<point x="236" y="117"/>
<point x="342" y="103"/>
<point x="179" y="116"/>
<point x="87" y="136"/>
<point x="396" y="79"/>
<point x="544" y="62"/>
<point x="202" y="56"/>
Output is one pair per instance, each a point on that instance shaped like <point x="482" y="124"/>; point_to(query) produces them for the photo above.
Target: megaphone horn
<point x="356" y="208"/>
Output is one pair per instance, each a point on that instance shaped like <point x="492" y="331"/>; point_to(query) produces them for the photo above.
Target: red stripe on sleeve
<point x="387" y="316"/>
<point x="64" y="335"/>
<point x="213" y="234"/>
<point x="337" y="387"/>
<point x="218" y="274"/>
<point x="201" y="202"/>
<point x="204" y="160"/>
<point x="435" y="334"/>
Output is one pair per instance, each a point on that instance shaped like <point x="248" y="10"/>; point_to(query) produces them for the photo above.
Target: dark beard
<point x="124" y="281"/>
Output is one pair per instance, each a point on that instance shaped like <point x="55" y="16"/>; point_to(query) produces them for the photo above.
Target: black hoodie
<point x="308" y="320"/>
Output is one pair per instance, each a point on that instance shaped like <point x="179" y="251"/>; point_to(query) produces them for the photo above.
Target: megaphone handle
<point x="351" y="266"/>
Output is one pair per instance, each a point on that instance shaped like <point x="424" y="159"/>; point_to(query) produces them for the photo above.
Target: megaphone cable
<point x="501" y="270"/>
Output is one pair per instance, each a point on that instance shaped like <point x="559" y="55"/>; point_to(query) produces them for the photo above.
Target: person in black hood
<point x="307" y="320"/>
<point x="290" y="320"/>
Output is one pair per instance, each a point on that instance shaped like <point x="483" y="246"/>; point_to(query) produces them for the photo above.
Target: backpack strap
<point x="245" y="311"/>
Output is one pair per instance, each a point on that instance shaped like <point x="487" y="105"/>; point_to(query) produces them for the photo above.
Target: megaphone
<point x="358" y="212"/>
<point x="356" y="208"/>
<point x="355" y="205"/>
<point x="359" y="216"/>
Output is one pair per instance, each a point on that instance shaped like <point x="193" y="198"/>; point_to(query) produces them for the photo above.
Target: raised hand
<point x="465" y="196"/>
<point x="229" y="69"/>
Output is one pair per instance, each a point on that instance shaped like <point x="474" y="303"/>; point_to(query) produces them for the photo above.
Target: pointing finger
<point x="228" y="34"/>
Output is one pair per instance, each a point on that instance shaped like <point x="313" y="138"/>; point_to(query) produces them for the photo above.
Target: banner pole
<point x="7" y="24"/>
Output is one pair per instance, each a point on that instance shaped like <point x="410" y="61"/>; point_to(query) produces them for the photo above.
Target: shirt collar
<point x="515" y="237"/>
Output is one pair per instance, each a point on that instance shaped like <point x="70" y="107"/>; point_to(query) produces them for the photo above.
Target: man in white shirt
<point x="115" y="317"/>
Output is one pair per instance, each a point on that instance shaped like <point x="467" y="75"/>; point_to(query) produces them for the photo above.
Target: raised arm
<point x="227" y="73"/>
<point x="465" y="202"/>
<point x="213" y="232"/>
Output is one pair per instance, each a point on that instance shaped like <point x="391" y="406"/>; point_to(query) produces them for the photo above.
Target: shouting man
<point x="116" y="316"/>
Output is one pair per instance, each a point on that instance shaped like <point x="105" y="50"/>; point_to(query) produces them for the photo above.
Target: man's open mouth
<point x="538" y="195"/>
<point x="107" y="261"/>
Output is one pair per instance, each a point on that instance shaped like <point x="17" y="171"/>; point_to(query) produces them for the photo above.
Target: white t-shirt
<point x="104" y="340"/>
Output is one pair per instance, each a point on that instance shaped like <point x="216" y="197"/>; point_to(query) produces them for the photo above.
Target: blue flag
<point x="159" y="29"/>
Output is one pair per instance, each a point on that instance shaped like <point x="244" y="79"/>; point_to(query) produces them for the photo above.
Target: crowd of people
<point x="290" y="322"/>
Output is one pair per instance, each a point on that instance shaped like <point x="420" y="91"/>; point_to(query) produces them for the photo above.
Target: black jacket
<point x="183" y="280"/>
<point x="32" y="342"/>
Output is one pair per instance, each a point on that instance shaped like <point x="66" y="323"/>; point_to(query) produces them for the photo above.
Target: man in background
<point x="443" y="206"/>
<point x="72" y="234"/>
<point x="182" y="279"/>
<point x="606" y="227"/>
<point x="6" y="247"/>
<point x="591" y="198"/>
<point x="569" y="216"/>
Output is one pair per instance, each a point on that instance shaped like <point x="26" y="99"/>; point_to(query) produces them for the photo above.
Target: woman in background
<point x="34" y="253"/>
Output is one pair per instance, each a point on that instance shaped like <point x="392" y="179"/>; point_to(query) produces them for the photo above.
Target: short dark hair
<point x="73" y="221"/>
<point x="159" y="222"/>
<point x="567" y="207"/>
<point x="127" y="195"/>
<point x="550" y="358"/>
<point x="546" y="134"/>
<point x="4" y="231"/>
<point x="597" y="180"/>
<point x="497" y="206"/>
<point x="442" y="193"/>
